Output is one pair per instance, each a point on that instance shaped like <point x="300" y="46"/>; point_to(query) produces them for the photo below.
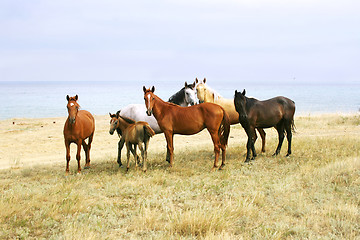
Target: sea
<point x="41" y="99"/>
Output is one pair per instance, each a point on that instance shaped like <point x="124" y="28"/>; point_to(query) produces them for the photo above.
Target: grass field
<point x="314" y="194"/>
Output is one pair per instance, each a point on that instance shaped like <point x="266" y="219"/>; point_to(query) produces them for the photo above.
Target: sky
<point x="307" y="41"/>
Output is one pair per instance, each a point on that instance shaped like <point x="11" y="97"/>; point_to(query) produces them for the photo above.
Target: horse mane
<point x="128" y="120"/>
<point x="178" y="97"/>
<point x="215" y="93"/>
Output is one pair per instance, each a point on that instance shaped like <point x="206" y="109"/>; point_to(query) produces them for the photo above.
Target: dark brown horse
<point x="133" y="134"/>
<point x="174" y="119"/>
<point x="79" y="126"/>
<point x="276" y="112"/>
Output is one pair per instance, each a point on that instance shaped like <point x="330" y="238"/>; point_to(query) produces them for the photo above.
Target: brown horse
<point x="133" y="134"/>
<point x="174" y="119"/>
<point x="276" y="112"/>
<point x="207" y="94"/>
<point x="79" y="126"/>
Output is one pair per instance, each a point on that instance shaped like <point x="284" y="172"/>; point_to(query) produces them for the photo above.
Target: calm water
<point x="48" y="99"/>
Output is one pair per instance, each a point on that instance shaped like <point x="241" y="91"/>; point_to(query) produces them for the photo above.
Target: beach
<point x="27" y="142"/>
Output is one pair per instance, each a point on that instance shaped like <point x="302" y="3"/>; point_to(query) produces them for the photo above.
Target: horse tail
<point x="149" y="132"/>
<point x="224" y="129"/>
<point x="293" y="127"/>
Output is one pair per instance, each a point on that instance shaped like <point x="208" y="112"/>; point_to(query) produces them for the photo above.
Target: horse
<point x="174" y="119"/>
<point x="207" y="94"/>
<point x="79" y="126"/>
<point x="185" y="97"/>
<point x="133" y="134"/>
<point x="276" y="112"/>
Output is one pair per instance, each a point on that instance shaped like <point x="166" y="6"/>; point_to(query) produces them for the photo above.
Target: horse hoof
<point x="288" y="155"/>
<point x="247" y="160"/>
<point x="222" y="167"/>
<point x="86" y="167"/>
<point x="144" y="170"/>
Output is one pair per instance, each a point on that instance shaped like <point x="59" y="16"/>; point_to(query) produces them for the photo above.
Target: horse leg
<point x="136" y="157"/>
<point x="216" y="141"/>
<point x="170" y="147"/>
<point x="262" y="135"/>
<point x="120" y="146"/>
<point x="250" y="142"/>
<point x="78" y="155"/>
<point x="86" y="150"/>
<point x="67" y="146"/>
<point x="288" y="136"/>
<point x="253" y="145"/>
<point x="280" y="130"/>
<point x="128" y="148"/>
<point x="223" y="157"/>
<point x="143" y="155"/>
<point x="87" y="165"/>
<point x="146" y="145"/>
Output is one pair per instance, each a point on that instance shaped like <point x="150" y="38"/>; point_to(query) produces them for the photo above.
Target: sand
<point x="28" y="142"/>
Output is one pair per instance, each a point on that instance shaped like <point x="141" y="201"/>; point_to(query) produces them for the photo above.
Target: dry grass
<point x="314" y="194"/>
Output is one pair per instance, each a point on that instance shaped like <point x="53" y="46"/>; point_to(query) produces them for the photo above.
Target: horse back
<point x="269" y="112"/>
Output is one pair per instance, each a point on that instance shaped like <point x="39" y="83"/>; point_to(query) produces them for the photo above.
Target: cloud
<point x="119" y="40"/>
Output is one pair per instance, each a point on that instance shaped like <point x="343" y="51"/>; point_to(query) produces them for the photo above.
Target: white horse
<point x="137" y="112"/>
<point x="185" y="97"/>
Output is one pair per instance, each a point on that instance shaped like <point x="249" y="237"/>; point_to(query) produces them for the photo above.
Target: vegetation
<point x="314" y="194"/>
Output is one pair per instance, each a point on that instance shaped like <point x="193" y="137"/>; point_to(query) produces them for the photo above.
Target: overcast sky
<point x="223" y="40"/>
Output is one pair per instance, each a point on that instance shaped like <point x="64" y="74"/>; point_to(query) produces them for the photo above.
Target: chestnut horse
<point x="79" y="126"/>
<point x="174" y="119"/>
<point x="276" y="112"/>
<point x="133" y="134"/>
<point x="207" y="94"/>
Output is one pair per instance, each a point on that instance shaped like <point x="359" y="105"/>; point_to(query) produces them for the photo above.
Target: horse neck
<point x="159" y="106"/>
<point x="123" y="124"/>
<point x="178" y="98"/>
<point x="211" y="95"/>
<point x="249" y="103"/>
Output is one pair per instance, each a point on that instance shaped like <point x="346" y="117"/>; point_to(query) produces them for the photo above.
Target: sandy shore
<point x="28" y="142"/>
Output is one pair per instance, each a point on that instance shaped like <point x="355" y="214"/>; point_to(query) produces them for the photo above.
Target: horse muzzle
<point x="149" y="112"/>
<point x="72" y="120"/>
<point x="111" y="131"/>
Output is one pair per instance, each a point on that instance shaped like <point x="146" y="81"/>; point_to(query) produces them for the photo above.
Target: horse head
<point x="73" y="108"/>
<point x="240" y="103"/>
<point x="149" y="99"/>
<point x="201" y="89"/>
<point x="190" y="94"/>
<point x="114" y="122"/>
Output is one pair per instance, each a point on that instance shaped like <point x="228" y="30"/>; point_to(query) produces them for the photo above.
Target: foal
<point x="133" y="134"/>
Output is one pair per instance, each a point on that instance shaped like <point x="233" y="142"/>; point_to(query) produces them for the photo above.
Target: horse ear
<point x="144" y="88"/>
<point x="110" y="114"/>
<point x="76" y="97"/>
<point x="244" y="92"/>
<point x="153" y="89"/>
<point x="196" y="80"/>
<point x="186" y="85"/>
<point x="236" y="92"/>
<point x="204" y="80"/>
<point x="118" y="114"/>
<point x="67" y="97"/>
